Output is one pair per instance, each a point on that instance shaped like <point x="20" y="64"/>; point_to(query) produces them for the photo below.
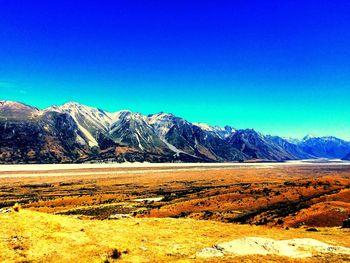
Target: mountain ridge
<point x="74" y="132"/>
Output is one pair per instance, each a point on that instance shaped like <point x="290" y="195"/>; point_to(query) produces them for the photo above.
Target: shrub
<point x="116" y="254"/>
<point x="16" y="207"/>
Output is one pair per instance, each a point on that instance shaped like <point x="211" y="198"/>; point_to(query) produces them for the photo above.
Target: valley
<point x="169" y="131"/>
<point x="174" y="212"/>
<point x="273" y="194"/>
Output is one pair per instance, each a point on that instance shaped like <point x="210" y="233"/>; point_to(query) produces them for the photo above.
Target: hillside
<point x="28" y="236"/>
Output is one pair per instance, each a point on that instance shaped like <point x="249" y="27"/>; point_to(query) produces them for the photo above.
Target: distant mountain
<point x="293" y="149"/>
<point x="254" y="145"/>
<point x="205" y="142"/>
<point x="290" y="140"/>
<point x="220" y="132"/>
<point x="78" y="133"/>
<point x="326" y="147"/>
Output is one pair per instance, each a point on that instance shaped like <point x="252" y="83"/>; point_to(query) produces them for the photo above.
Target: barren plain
<point x="169" y="212"/>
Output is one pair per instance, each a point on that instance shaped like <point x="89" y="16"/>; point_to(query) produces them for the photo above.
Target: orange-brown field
<point x="280" y="196"/>
<point x="290" y="197"/>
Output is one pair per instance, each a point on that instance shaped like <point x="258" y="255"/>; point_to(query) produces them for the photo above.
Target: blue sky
<point x="281" y="67"/>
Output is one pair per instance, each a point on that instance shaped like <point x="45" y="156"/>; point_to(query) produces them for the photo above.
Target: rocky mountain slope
<point x="328" y="147"/>
<point x="28" y="135"/>
<point x="77" y="133"/>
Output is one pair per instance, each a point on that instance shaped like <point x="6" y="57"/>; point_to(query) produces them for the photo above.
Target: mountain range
<point x="78" y="133"/>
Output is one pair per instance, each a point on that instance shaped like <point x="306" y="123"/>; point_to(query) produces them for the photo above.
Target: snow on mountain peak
<point x="88" y="119"/>
<point x="205" y="126"/>
<point x="161" y="122"/>
<point x="5" y="102"/>
<point x="222" y="132"/>
<point x="309" y="136"/>
<point x="292" y="140"/>
<point x="159" y="117"/>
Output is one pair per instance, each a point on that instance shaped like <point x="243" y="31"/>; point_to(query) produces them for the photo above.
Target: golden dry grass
<point x="29" y="236"/>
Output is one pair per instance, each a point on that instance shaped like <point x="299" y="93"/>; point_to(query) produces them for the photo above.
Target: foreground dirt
<point x="283" y="196"/>
<point x="29" y="236"/>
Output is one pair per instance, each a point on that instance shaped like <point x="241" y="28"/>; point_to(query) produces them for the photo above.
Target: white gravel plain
<point x="29" y="170"/>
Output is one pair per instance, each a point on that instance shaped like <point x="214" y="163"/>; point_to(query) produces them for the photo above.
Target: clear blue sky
<point x="281" y="67"/>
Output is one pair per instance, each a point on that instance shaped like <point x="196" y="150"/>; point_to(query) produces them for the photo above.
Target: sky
<point x="280" y="67"/>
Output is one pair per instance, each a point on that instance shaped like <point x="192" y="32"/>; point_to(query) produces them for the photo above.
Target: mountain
<point x="28" y="135"/>
<point x="74" y="132"/>
<point x="290" y="140"/>
<point x="133" y="130"/>
<point x="291" y="146"/>
<point x="183" y="137"/>
<point x="326" y="147"/>
<point x="220" y="132"/>
<point x="315" y="147"/>
<point x="10" y="110"/>
<point x="254" y="145"/>
<point x="90" y="121"/>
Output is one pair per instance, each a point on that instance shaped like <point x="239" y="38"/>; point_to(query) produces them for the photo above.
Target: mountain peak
<point x="160" y="117"/>
<point x="3" y="102"/>
<point x="292" y="140"/>
<point x="13" y="109"/>
<point x="71" y="103"/>
<point x="76" y="105"/>
<point x="205" y="126"/>
<point x="250" y="131"/>
<point x="309" y="136"/>
<point x="14" y="103"/>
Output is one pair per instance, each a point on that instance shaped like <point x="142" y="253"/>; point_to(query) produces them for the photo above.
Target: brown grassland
<point x="169" y="215"/>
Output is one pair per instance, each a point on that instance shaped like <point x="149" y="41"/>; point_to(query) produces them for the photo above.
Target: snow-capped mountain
<point x="308" y="137"/>
<point x="255" y="145"/>
<point x="327" y="147"/>
<point x="162" y="123"/>
<point x="28" y="135"/>
<point x="176" y="133"/>
<point x="183" y="137"/>
<point x="221" y="132"/>
<point x="291" y="146"/>
<point x="133" y="130"/>
<point x="90" y="121"/>
<point x="294" y="141"/>
<point x="12" y="109"/>
<point x="74" y="132"/>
